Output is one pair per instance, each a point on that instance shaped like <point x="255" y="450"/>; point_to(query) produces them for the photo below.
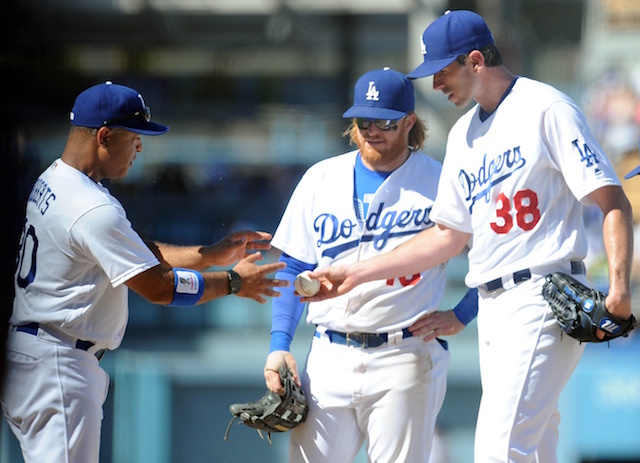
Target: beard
<point x="394" y="150"/>
<point x="369" y="154"/>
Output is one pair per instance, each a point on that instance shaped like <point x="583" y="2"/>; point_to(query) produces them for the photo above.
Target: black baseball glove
<point x="580" y="310"/>
<point x="273" y="412"/>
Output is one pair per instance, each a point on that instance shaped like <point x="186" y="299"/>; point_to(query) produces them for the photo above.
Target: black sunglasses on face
<point x="382" y="124"/>
<point x="144" y="114"/>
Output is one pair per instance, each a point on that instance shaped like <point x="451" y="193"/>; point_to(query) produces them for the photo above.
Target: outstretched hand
<point x="335" y="280"/>
<point x="237" y="245"/>
<point x="255" y="282"/>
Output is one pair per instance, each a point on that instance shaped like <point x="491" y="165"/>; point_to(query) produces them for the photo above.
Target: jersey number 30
<point x="527" y="213"/>
<point x="25" y="258"/>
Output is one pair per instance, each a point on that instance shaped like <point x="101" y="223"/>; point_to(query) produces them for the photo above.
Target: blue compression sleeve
<point x="286" y="309"/>
<point x="467" y="308"/>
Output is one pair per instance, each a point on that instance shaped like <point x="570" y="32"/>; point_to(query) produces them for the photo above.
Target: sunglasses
<point x="144" y="114"/>
<point x="382" y="124"/>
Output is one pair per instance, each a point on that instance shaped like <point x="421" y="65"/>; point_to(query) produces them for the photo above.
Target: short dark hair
<point x="492" y="56"/>
<point x="84" y="131"/>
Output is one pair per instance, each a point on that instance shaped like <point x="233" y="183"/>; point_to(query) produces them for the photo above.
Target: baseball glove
<point x="273" y="412"/>
<point x="580" y="310"/>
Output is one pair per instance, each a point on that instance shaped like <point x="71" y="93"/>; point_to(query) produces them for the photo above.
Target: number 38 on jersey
<point x="521" y="210"/>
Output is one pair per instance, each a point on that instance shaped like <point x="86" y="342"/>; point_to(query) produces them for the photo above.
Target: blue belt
<point x="363" y="340"/>
<point x="32" y="328"/>
<point x="577" y="268"/>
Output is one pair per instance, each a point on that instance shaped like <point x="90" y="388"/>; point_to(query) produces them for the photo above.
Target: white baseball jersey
<point x="320" y="226"/>
<point x="76" y="251"/>
<point x="515" y="181"/>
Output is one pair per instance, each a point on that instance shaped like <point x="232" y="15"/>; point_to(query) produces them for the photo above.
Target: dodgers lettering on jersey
<point x="478" y="184"/>
<point x="516" y="182"/>
<point x="379" y="226"/>
<point x="326" y="230"/>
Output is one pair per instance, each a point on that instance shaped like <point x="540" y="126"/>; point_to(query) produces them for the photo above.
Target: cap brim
<point x="370" y="112"/>
<point x="429" y="68"/>
<point x="633" y="173"/>
<point x="146" y="128"/>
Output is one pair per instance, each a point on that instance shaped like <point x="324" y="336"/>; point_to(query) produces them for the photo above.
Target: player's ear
<point x="476" y="59"/>
<point x="102" y="136"/>
<point x="410" y="121"/>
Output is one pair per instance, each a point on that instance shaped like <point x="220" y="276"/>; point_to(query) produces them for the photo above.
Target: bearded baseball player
<point x="372" y="373"/>
<point x="519" y="166"/>
<point x="78" y="256"/>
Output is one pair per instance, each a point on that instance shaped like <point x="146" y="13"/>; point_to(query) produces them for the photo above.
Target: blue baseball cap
<point x="382" y="94"/>
<point x="635" y="171"/>
<point x="115" y="106"/>
<point x="453" y="34"/>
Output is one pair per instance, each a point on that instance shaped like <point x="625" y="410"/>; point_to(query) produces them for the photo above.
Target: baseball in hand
<point x="306" y="286"/>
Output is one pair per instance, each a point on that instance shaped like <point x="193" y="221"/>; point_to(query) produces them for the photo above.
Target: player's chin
<point x="121" y="173"/>
<point x="371" y="152"/>
<point x="458" y="102"/>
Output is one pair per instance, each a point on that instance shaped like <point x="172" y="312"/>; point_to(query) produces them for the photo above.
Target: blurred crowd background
<point x="254" y="91"/>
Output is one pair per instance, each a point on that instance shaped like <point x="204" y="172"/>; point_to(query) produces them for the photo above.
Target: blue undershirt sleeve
<point x="467" y="309"/>
<point x="287" y="309"/>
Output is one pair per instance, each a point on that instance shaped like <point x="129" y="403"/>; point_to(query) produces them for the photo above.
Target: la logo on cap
<point x="381" y="94"/>
<point x="373" y="94"/>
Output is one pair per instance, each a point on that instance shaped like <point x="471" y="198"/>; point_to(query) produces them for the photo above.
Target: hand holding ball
<point x="306" y="286"/>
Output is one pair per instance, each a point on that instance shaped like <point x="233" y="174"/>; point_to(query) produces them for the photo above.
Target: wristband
<point x="188" y="287"/>
<point x="467" y="309"/>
